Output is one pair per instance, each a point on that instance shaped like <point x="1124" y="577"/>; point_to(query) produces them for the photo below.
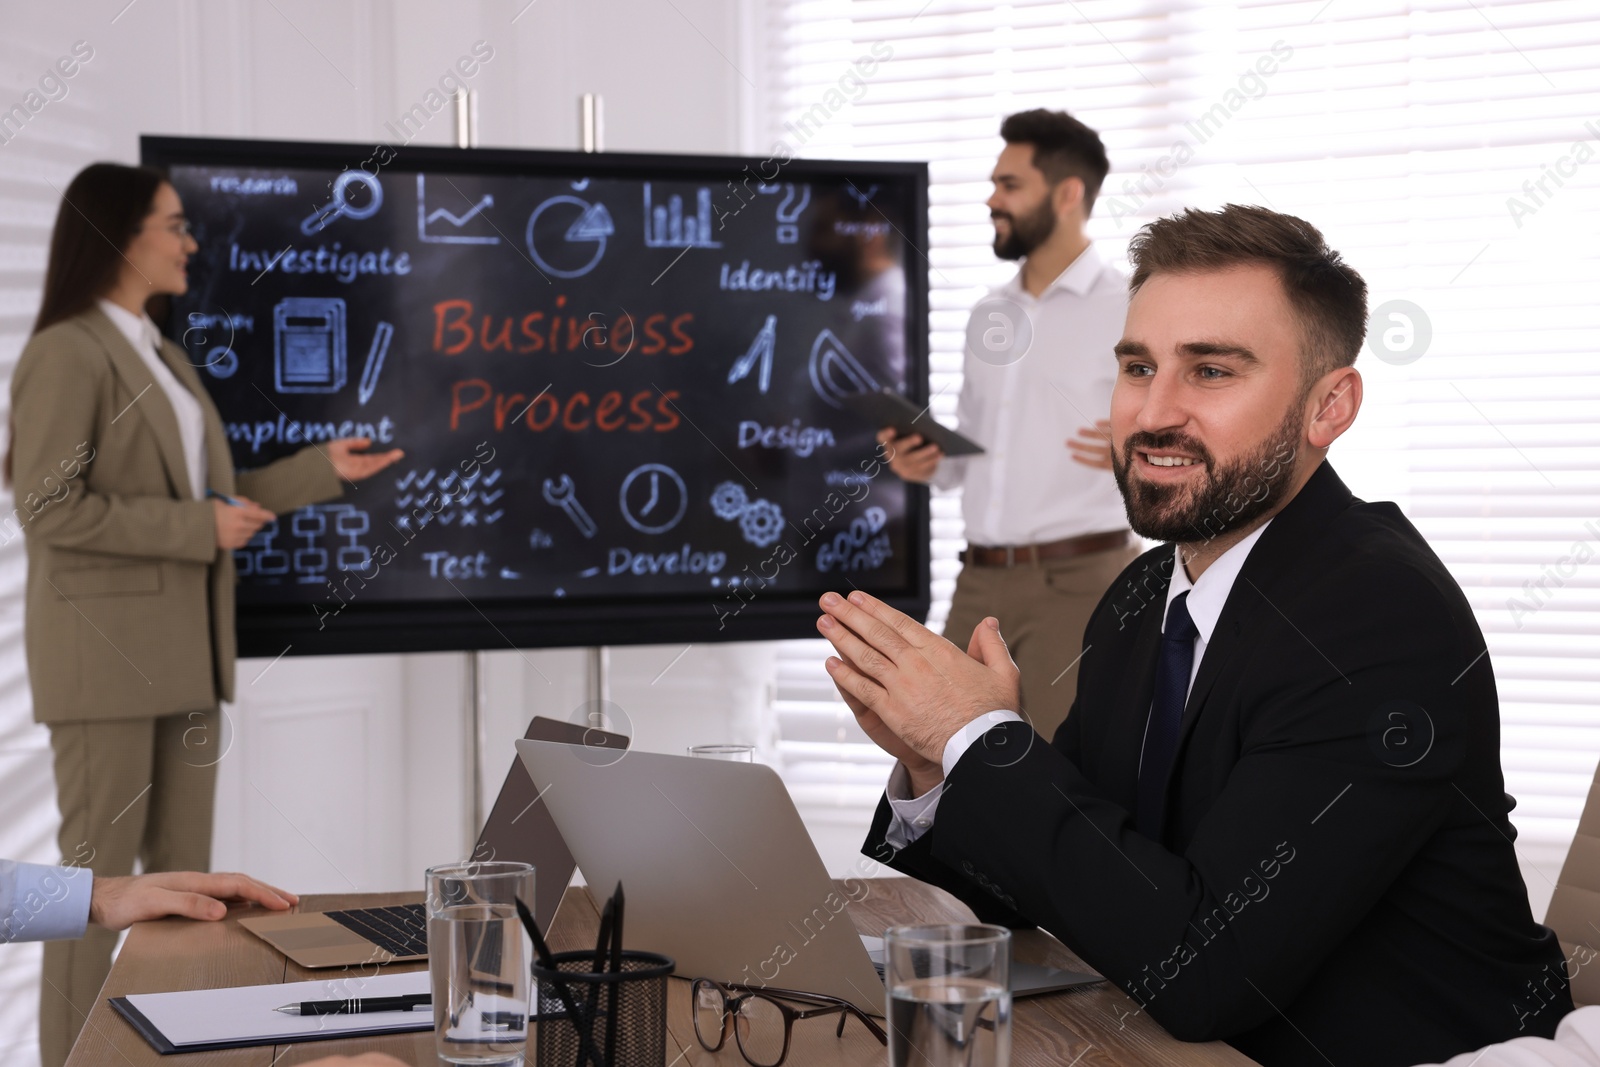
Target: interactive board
<point x="618" y="380"/>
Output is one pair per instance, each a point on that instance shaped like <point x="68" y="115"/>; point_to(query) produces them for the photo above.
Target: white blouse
<point x="142" y="334"/>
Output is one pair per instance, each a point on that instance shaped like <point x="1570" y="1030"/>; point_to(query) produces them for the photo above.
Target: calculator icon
<point x="309" y="344"/>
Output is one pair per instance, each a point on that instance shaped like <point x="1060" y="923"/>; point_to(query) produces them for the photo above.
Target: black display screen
<point x="617" y="380"/>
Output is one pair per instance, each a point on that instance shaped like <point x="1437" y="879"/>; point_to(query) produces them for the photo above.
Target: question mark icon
<point x="789" y="213"/>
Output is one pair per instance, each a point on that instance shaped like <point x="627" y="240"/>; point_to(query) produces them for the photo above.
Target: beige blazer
<point x="129" y="601"/>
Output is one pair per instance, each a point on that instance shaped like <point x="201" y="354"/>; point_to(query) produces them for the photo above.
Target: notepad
<point x="240" y="1017"/>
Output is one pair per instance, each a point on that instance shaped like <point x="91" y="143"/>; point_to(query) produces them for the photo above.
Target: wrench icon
<point x="560" y="493"/>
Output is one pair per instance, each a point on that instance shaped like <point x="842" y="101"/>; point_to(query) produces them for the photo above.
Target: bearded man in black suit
<point x="1275" y="815"/>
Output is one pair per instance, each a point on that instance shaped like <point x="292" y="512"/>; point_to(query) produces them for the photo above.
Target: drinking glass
<point x="478" y="957"/>
<point x="949" y="995"/>
<point x="731" y="753"/>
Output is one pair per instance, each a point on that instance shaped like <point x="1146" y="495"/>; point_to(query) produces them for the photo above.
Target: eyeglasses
<point x="180" y="229"/>
<point x="762" y="1023"/>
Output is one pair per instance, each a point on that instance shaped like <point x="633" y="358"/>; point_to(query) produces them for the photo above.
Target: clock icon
<point x="653" y="498"/>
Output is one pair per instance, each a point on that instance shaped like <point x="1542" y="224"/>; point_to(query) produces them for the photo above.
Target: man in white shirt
<point x="1045" y="527"/>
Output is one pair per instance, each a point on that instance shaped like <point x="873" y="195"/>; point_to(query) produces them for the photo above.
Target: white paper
<point x="246" y="1013"/>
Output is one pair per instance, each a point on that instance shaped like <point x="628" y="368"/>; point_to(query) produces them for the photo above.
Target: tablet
<point x="888" y="408"/>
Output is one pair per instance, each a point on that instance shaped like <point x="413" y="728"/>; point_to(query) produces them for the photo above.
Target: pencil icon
<point x="380" y="348"/>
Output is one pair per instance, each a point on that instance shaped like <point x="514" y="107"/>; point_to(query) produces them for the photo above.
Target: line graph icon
<point x="432" y="226"/>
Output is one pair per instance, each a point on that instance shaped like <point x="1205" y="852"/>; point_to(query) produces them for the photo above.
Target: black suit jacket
<point x="1335" y="881"/>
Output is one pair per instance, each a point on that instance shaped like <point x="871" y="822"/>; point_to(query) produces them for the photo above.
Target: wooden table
<point x="1097" y="1026"/>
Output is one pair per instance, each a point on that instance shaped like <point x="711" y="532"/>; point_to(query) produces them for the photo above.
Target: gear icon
<point x="729" y="501"/>
<point x="761" y="523"/>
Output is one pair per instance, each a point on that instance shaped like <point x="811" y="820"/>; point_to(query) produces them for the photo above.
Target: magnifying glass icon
<point x="341" y="204"/>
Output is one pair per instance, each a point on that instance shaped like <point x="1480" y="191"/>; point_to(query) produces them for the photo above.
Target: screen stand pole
<point x="591" y="123"/>
<point x="466" y="123"/>
<point x="599" y="688"/>
<point x="476" y="743"/>
<point x="466" y="115"/>
<point x="591" y="137"/>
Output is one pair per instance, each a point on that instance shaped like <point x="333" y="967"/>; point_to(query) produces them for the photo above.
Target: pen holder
<point x="637" y="996"/>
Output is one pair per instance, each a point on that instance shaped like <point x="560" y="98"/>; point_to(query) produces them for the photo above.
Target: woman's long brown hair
<point x="101" y="211"/>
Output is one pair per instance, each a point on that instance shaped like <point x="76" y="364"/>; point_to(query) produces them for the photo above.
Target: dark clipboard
<point x="159" y="1042"/>
<point x="888" y="408"/>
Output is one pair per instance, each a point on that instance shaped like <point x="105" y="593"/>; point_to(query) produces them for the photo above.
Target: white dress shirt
<point x="913" y="815"/>
<point x="1026" y="488"/>
<point x="42" y="903"/>
<point x="1576" y="1044"/>
<point x="142" y="334"/>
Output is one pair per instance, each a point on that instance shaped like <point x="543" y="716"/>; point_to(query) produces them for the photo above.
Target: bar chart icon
<point x="666" y="225"/>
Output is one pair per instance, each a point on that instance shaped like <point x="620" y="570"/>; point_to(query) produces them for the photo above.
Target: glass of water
<point x="731" y="753"/>
<point x="479" y="957"/>
<point x="949" y="995"/>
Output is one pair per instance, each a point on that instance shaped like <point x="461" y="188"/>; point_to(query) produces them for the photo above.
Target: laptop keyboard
<point x="400" y="930"/>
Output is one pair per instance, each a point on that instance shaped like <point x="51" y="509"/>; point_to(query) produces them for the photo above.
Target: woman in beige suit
<point x="116" y="455"/>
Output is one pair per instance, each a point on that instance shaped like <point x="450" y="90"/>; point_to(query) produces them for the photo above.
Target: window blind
<point x="1449" y="148"/>
<point x="45" y="152"/>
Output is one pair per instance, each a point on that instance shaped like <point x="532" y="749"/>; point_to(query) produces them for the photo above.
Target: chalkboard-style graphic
<point x="665" y="226"/>
<point x="596" y="335"/>
<point x="343" y="203"/>
<point x="865" y="545"/>
<point x="508" y="573"/>
<point x="760" y="350"/>
<point x="561" y="493"/>
<point x="653" y="498"/>
<point x="760" y="521"/>
<point x="380" y="348"/>
<point x="431" y="327"/>
<point x="454" y="498"/>
<point x="862" y="197"/>
<point x="728" y="500"/>
<point x="835" y="373"/>
<point x="591" y="225"/>
<point x="313" y="531"/>
<point x="435" y="226"/>
<point x="308" y="344"/>
<point x="261" y="557"/>
<point x="224" y="362"/>
<point x="789" y="213"/>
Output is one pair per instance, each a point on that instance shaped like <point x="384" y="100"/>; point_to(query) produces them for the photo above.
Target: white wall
<point x="382" y="737"/>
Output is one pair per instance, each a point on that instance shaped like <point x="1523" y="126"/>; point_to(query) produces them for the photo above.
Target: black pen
<point x="359" y="1005"/>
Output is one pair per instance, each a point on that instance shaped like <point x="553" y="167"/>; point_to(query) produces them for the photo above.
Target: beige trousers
<point x="1043" y="609"/>
<point x="128" y="789"/>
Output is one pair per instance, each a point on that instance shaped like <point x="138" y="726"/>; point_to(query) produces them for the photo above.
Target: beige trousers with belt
<point x="128" y="789"/>
<point x="1043" y="609"/>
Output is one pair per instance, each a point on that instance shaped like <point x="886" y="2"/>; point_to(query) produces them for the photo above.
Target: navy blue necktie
<point x="1173" y="667"/>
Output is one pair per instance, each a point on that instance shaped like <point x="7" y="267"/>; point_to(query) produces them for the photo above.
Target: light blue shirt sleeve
<point x="913" y="815"/>
<point x="43" y="903"/>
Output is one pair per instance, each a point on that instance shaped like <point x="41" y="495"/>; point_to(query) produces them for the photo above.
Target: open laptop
<point x="517" y="829"/>
<point x="720" y="872"/>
